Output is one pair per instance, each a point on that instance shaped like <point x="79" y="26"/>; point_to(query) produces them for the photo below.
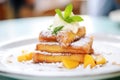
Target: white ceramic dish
<point x="107" y="45"/>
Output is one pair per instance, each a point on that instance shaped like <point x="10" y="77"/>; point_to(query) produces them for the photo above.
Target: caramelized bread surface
<point x="83" y="45"/>
<point x="40" y="57"/>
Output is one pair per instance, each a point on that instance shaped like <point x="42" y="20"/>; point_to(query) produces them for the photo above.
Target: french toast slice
<point x="83" y="45"/>
<point x="65" y="38"/>
<point x="48" y="58"/>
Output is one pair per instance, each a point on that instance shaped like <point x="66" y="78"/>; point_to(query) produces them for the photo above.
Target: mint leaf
<point x="76" y="18"/>
<point x="57" y="29"/>
<point x="69" y="20"/>
<point x="73" y="19"/>
<point x="49" y="28"/>
<point x="59" y="12"/>
<point x="68" y="11"/>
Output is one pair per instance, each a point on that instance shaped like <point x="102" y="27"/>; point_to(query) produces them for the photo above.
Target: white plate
<point x="107" y="45"/>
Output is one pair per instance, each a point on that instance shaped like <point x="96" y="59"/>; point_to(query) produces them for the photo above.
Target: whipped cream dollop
<point x="74" y="26"/>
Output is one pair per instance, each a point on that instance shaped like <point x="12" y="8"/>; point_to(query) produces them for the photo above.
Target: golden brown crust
<point x="83" y="45"/>
<point x="58" y="48"/>
<point x="38" y="57"/>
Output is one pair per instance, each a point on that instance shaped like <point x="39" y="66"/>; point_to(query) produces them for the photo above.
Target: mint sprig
<point x="67" y="15"/>
<point x="57" y="29"/>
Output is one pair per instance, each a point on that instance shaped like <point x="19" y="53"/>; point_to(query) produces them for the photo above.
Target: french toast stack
<point x="65" y="42"/>
<point x="65" y="45"/>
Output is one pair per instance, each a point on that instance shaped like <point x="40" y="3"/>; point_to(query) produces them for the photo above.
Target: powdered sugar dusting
<point x="46" y="33"/>
<point x="53" y="54"/>
<point x="83" y="41"/>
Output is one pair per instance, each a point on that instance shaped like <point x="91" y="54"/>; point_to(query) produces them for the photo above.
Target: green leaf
<point x="57" y="29"/>
<point x="76" y="18"/>
<point x="68" y="11"/>
<point x="49" y="28"/>
<point x="69" y="20"/>
<point x="59" y="12"/>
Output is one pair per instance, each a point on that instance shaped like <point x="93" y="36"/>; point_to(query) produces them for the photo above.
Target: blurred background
<point x="11" y="9"/>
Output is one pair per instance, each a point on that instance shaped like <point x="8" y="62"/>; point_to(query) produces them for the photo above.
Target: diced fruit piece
<point x="21" y="58"/>
<point x="89" y="60"/>
<point x="29" y="56"/>
<point x="25" y="57"/>
<point x="70" y="64"/>
<point x="100" y="60"/>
